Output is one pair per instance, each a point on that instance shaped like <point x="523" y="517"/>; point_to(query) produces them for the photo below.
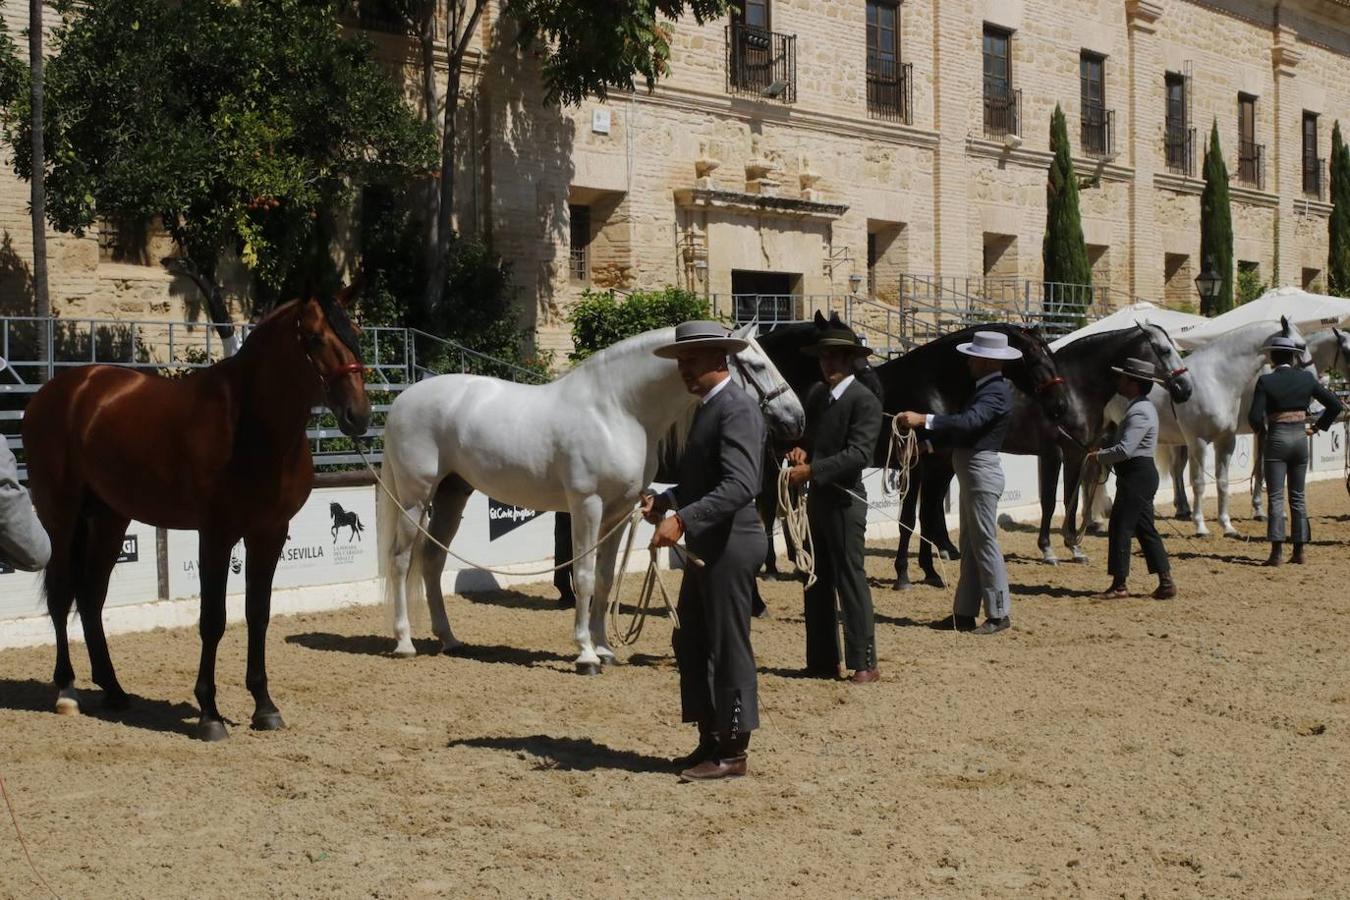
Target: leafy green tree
<point x="587" y="48"/>
<point x="1249" y="285"/>
<point x="1338" y="227"/>
<point x="1216" y="226"/>
<point x="241" y="127"/>
<point x="601" y="318"/>
<point x="1063" y="250"/>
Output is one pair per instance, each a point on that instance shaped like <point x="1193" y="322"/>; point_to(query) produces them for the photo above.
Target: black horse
<point x="344" y="519"/>
<point x="934" y="378"/>
<point x="1085" y="367"/>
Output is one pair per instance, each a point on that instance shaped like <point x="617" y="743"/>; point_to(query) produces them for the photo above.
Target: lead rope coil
<point x="797" y="527"/>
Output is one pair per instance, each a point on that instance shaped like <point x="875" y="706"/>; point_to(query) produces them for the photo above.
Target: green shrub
<point x="602" y="318"/>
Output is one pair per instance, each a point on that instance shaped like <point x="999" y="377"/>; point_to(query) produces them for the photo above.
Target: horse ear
<point x="346" y="296"/>
<point x="1284" y="324"/>
<point x="835" y="320"/>
<point x="820" y="319"/>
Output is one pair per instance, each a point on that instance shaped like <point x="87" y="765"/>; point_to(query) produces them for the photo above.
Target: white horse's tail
<point x="389" y="518"/>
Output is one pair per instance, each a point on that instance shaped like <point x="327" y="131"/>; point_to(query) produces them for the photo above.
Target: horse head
<point x="1340" y="362"/>
<point x="756" y="373"/>
<point x="1036" y="373"/>
<point x="332" y="344"/>
<point x="1290" y="330"/>
<point x="1176" y="377"/>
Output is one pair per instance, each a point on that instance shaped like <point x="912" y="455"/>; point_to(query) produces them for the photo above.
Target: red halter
<point x="351" y="368"/>
<point x="1042" y="388"/>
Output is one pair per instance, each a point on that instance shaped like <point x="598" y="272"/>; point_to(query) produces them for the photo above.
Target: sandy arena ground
<point x="1131" y="748"/>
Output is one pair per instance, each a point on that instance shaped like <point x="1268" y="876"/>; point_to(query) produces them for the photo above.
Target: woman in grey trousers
<point x="1280" y="410"/>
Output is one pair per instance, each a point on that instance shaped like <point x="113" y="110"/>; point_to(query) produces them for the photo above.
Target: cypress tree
<point x="1063" y="251"/>
<point x="1216" y="226"/>
<point x="1338" y="227"/>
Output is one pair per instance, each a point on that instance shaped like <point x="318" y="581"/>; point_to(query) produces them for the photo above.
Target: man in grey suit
<point x="976" y="434"/>
<point x="843" y="421"/>
<point x="714" y="510"/>
<point x="23" y="542"/>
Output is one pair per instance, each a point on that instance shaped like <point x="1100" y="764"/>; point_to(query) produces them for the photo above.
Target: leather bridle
<point x="339" y="371"/>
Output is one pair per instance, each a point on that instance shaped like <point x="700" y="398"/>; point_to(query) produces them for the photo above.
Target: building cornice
<point x="758" y="204"/>
<point x="1040" y="159"/>
<point x="1180" y="184"/>
<point x="1253" y="197"/>
<point x="1309" y="207"/>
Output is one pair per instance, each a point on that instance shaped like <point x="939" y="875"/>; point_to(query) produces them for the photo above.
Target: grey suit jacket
<point x="719" y="471"/>
<point x="23" y="542"/>
<point x="982" y="423"/>
<point x="840" y="440"/>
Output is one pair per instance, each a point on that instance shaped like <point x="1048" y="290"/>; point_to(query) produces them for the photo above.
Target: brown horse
<point x="221" y="451"/>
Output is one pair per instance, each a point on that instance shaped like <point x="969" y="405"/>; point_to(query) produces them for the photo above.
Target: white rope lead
<point x="797" y="527"/>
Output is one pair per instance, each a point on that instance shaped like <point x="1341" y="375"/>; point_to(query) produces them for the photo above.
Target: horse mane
<point x="338" y="321"/>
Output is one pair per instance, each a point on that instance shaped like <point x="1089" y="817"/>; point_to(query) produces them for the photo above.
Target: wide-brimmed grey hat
<point x="1282" y="342"/>
<point x="700" y="336"/>
<point x="840" y="338"/>
<point x="1139" y="370"/>
<point x="990" y="345"/>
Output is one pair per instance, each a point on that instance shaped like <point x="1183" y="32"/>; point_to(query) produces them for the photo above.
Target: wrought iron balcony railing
<point x="1099" y="131"/>
<point x="1312" y="176"/>
<point x="761" y="63"/>
<point x="1179" y="147"/>
<point x="889" y="86"/>
<point x="1252" y="164"/>
<point x="1002" y="110"/>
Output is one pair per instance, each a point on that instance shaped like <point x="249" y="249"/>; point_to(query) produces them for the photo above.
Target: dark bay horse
<point x="934" y="378"/>
<point x="221" y="451"/>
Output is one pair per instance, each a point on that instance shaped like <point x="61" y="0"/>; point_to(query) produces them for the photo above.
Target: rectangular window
<point x="753" y="13"/>
<point x="579" y="244"/>
<point x="1096" y="137"/>
<point x="1000" y="100"/>
<point x="887" y="87"/>
<point x="1312" y="165"/>
<point x="1249" y="163"/>
<point x="1177" y="131"/>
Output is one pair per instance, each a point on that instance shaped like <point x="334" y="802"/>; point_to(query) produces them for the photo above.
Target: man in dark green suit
<point x="843" y="421"/>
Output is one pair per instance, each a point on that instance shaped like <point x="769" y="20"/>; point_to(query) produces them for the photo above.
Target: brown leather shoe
<point x="1115" y="592"/>
<point x="954" y="623"/>
<point x="713" y="769"/>
<point x="865" y="676"/>
<point x="1165" y="591"/>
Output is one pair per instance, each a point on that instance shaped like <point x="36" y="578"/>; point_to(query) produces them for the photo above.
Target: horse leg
<point x="1047" y="465"/>
<point x="447" y="511"/>
<point x="398" y="554"/>
<point x="1223" y="458"/>
<point x="105" y="533"/>
<point x="1178" y="457"/>
<point x="933" y="521"/>
<point x="1258" y="477"/>
<point x="1197" y="455"/>
<point x="587" y="517"/>
<point x="908" y="515"/>
<point x="67" y="560"/>
<point x="214" y="566"/>
<point x="1072" y="463"/>
<point x="264" y="550"/>
<point x="606" y="558"/>
<point x="766" y="504"/>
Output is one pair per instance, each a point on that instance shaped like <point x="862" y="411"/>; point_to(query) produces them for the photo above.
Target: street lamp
<point x="854" y="282"/>
<point x="1209" y="283"/>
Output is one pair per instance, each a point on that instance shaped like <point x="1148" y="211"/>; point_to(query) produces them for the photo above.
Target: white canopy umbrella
<point x="1173" y="321"/>
<point x="1306" y="312"/>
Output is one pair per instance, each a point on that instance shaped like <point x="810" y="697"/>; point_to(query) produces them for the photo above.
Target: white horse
<point x="586" y="443"/>
<point x="1223" y="373"/>
<point x="1329" y="352"/>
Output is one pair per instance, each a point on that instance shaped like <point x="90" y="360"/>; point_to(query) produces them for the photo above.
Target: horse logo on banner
<point x="343" y="519"/>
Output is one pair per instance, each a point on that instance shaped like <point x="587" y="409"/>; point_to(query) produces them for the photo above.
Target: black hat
<point x="835" y="335"/>
<point x="1139" y="370"/>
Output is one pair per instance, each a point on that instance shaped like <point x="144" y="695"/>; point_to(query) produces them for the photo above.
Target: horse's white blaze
<point x="586" y="443"/>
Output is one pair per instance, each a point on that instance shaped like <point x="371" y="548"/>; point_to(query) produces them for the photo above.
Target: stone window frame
<point x="579" y="248"/>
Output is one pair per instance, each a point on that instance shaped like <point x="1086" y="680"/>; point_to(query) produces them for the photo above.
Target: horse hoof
<point x="67" y="705"/>
<point x="1050" y="559"/>
<point x="588" y="668"/>
<point x="950" y="554"/>
<point x="405" y="652"/>
<point x="211" y="730"/>
<point x="1232" y="533"/>
<point x="268" y="721"/>
<point x="935" y="581"/>
<point x="902" y="584"/>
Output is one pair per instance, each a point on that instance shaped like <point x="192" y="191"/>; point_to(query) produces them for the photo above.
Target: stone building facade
<point x="869" y="147"/>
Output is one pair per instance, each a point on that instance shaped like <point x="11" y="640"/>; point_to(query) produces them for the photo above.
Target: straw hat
<point x="837" y="337"/>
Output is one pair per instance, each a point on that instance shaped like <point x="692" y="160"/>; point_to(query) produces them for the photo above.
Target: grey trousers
<point x="1286" y="455"/>
<point x="984" y="577"/>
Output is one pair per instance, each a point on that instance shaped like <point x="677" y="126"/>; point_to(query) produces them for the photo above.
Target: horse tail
<point x="359" y="526"/>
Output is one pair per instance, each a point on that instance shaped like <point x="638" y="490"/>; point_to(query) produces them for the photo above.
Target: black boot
<point x="706" y="749"/>
<point x="1276" y="554"/>
<point x="728" y="762"/>
<point x="1297" y="558"/>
